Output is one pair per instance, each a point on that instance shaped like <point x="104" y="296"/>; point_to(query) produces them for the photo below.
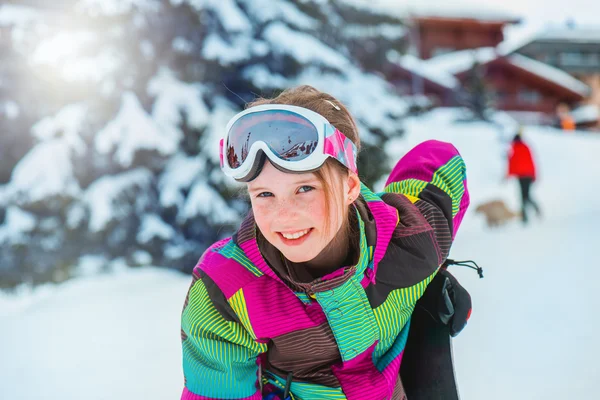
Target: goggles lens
<point x="290" y="136"/>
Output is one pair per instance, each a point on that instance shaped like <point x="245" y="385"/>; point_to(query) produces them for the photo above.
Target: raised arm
<point x="433" y="176"/>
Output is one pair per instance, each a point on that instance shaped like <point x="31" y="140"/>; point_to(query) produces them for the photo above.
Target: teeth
<point x="295" y="235"/>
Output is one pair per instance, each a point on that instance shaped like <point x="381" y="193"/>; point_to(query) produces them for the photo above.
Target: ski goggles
<point x="295" y="139"/>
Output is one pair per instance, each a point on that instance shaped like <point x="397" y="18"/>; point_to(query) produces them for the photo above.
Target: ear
<point x="353" y="188"/>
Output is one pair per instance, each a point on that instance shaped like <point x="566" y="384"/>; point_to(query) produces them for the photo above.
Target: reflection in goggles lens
<point x="290" y="136"/>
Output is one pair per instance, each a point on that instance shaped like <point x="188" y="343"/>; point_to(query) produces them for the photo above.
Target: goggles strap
<point x="221" y="152"/>
<point x="341" y="148"/>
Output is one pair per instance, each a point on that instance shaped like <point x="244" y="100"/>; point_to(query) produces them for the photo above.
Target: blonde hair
<point x="338" y="115"/>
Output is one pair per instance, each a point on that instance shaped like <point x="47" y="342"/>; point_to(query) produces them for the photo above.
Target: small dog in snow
<point x="496" y="212"/>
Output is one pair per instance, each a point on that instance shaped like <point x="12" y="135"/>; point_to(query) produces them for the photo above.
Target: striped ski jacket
<point x="246" y="325"/>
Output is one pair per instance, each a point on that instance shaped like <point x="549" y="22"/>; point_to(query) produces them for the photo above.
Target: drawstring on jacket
<point x="287" y="395"/>
<point x="288" y="384"/>
<point x="465" y="263"/>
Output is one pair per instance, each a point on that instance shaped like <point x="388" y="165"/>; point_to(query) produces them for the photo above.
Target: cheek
<point x="262" y="216"/>
<point x="317" y="211"/>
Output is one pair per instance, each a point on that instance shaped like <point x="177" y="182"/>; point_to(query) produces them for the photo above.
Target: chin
<point x="299" y="256"/>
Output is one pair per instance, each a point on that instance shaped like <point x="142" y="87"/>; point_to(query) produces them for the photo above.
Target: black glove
<point x="447" y="302"/>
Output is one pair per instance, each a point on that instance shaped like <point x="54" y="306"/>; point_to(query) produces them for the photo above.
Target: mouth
<point x="294" y="238"/>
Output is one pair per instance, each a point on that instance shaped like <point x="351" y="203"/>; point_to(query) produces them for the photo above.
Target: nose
<point x="287" y="209"/>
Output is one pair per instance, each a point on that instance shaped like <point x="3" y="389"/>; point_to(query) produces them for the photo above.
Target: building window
<point x="592" y="60"/>
<point x="574" y="59"/>
<point x="571" y="59"/>
<point x="528" y="96"/>
<point x="549" y="58"/>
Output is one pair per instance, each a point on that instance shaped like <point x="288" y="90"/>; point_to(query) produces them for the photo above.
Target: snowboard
<point x="427" y="369"/>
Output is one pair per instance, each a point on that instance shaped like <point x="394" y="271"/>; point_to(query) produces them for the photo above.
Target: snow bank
<point x="111" y="337"/>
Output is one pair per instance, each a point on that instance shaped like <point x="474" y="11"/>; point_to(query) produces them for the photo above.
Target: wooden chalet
<point x="452" y="48"/>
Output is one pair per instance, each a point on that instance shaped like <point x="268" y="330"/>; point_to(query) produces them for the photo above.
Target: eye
<point x="305" y="189"/>
<point x="264" y="194"/>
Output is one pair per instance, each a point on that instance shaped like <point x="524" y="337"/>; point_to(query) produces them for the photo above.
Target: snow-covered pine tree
<point x="113" y="110"/>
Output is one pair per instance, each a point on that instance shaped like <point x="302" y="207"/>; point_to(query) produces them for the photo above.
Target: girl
<point x="311" y="298"/>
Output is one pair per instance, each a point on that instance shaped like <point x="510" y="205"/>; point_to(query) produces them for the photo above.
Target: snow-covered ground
<point x="533" y="331"/>
<point x="109" y="337"/>
<point x="531" y="335"/>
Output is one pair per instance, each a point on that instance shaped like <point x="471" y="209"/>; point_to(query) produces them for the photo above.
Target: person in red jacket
<point x="522" y="166"/>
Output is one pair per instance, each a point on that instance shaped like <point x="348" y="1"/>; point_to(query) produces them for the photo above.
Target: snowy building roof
<point x="550" y="73"/>
<point x="567" y="34"/>
<point x="586" y="113"/>
<point x="579" y="35"/>
<point x="386" y="31"/>
<point x="420" y="67"/>
<point x="460" y="10"/>
<point x="461" y="61"/>
<point x="516" y="41"/>
<point x="436" y="9"/>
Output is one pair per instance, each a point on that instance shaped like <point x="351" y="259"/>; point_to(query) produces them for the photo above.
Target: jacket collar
<point x="372" y="217"/>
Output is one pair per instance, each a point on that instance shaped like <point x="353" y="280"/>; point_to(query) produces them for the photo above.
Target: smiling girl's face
<point x="291" y="210"/>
